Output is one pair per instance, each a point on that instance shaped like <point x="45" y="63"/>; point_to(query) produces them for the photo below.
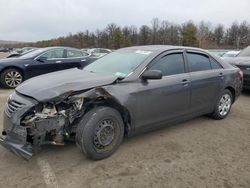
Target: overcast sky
<point x="32" y="20"/>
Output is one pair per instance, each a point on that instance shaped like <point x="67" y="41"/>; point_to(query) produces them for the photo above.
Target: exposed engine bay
<point x="51" y="123"/>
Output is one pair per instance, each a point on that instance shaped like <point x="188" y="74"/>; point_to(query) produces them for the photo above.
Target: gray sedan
<point x="127" y="91"/>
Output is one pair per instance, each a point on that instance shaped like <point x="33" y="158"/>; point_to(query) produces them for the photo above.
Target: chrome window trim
<point x="62" y="57"/>
<point x="49" y="51"/>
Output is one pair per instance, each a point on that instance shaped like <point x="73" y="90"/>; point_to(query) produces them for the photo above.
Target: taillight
<point x="241" y="75"/>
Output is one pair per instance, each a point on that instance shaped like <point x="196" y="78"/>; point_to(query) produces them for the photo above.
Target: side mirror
<point x="152" y="75"/>
<point x="41" y="59"/>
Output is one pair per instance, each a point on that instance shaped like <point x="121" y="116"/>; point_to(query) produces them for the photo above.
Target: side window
<point x="215" y="64"/>
<point x="198" y="62"/>
<point x="74" y="53"/>
<point x="58" y="53"/>
<point x="170" y="64"/>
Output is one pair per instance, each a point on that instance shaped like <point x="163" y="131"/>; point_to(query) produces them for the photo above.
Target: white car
<point x="231" y="53"/>
<point x="99" y="52"/>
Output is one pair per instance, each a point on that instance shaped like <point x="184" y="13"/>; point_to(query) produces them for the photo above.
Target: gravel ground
<point x="199" y="153"/>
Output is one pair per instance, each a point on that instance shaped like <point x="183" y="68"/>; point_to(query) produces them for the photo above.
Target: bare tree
<point x="218" y="34"/>
<point x="155" y="27"/>
<point x="203" y="33"/>
<point x="144" y="35"/>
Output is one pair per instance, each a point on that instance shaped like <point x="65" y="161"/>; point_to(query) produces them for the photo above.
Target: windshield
<point x="119" y="63"/>
<point x="32" y="54"/>
<point x="245" y="52"/>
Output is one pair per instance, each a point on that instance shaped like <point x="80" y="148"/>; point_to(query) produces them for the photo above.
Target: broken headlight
<point x="77" y="102"/>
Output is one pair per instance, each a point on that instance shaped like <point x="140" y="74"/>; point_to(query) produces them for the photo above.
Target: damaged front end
<point x="29" y="124"/>
<point x="50" y="123"/>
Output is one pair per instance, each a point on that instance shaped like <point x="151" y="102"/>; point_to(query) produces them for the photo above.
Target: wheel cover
<point x="13" y="78"/>
<point x="225" y="104"/>
<point x="104" y="134"/>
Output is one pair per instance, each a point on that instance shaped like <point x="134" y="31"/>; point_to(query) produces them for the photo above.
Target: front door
<point x="167" y="98"/>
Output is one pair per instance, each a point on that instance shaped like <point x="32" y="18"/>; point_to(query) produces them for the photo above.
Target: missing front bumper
<point x="16" y="140"/>
<point x="22" y="150"/>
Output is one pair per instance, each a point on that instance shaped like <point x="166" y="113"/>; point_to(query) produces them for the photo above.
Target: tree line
<point x="163" y="32"/>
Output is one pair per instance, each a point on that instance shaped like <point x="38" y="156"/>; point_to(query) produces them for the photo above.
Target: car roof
<point x="54" y="47"/>
<point x="161" y="48"/>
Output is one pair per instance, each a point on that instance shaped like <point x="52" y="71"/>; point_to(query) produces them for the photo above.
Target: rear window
<point x="74" y="53"/>
<point x="198" y="62"/>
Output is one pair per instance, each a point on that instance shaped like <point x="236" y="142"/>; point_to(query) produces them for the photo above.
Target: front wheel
<point x="223" y="105"/>
<point x="11" y="78"/>
<point x="100" y="132"/>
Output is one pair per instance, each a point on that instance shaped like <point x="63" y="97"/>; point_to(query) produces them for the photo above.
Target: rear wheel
<point x="223" y="105"/>
<point x="11" y="78"/>
<point x="100" y="132"/>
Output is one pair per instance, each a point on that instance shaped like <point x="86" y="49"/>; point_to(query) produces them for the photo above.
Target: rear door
<point x="206" y="81"/>
<point x="74" y="58"/>
<point x="167" y="98"/>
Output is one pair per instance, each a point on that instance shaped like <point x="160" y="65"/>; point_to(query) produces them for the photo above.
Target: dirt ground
<point x="3" y="55"/>
<point x="199" y="153"/>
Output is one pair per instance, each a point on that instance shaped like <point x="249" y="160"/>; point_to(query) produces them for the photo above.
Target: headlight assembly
<point x="78" y="102"/>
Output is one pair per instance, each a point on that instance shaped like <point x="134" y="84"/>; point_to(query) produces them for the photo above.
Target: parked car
<point x="232" y="53"/>
<point x="13" y="71"/>
<point x="217" y="52"/>
<point x="130" y="90"/>
<point x="85" y="49"/>
<point x="99" y="52"/>
<point x="242" y="61"/>
<point x="4" y="49"/>
<point x="15" y="54"/>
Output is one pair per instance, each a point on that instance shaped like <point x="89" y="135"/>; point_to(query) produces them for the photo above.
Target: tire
<point x="100" y="133"/>
<point x="222" y="109"/>
<point x="11" y="78"/>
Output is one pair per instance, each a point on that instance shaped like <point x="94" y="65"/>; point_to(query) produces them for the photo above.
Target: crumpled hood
<point x="238" y="60"/>
<point x="52" y="85"/>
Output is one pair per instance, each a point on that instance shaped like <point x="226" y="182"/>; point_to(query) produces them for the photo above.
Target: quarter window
<point x="215" y="64"/>
<point x="198" y="62"/>
<point x="58" y="53"/>
<point x="170" y="64"/>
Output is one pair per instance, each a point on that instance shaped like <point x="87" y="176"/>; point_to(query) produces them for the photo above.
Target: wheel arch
<point x="100" y="97"/>
<point x="14" y="67"/>
<point x="232" y="90"/>
<point x="112" y="103"/>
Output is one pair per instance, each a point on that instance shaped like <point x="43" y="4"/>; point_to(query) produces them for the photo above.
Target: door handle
<point x="58" y="61"/>
<point x="83" y="60"/>
<point x="221" y="75"/>
<point x="184" y="82"/>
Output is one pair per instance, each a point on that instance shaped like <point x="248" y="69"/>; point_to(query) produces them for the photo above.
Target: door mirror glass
<point x="152" y="75"/>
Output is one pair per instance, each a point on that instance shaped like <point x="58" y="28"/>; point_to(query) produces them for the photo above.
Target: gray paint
<point x="149" y="103"/>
